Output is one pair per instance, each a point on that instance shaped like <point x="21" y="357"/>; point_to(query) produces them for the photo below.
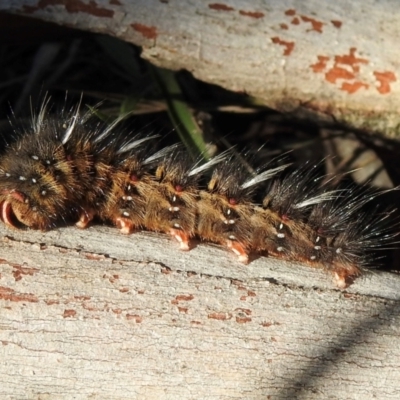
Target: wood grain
<point x="95" y="314"/>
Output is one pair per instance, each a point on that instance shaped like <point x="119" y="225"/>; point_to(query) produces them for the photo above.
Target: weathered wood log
<point x="330" y="59"/>
<point x="95" y="314"/>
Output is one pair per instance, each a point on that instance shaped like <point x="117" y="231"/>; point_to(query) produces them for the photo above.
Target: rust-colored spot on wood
<point x="88" y="307"/>
<point x="183" y="310"/>
<point x="51" y="302"/>
<point x="220" y="7"/>
<point x="290" y="12"/>
<point x="336" y="23"/>
<point x="243" y="320"/>
<point x="149" y="32"/>
<point x="315" y="24"/>
<point x="336" y="73"/>
<point x="72" y="6"/>
<point x="295" y="21"/>
<point x="320" y="65"/>
<point x="351" y="60"/>
<point x="184" y="297"/>
<point x="289" y="46"/>
<point x="220" y="316"/>
<point x="284" y="26"/>
<point x="11" y="295"/>
<point x="19" y="270"/>
<point x="81" y="298"/>
<point x="252" y="14"/>
<point x="137" y="318"/>
<point x="95" y="257"/>
<point x="69" y="313"/>
<point x="353" y="87"/>
<point x="384" y="78"/>
<point x="115" y="3"/>
<point x="124" y="290"/>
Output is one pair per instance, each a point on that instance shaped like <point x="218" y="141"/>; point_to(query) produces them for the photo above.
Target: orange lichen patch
<point x="295" y="21"/>
<point x="320" y="65"/>
<point x="315" y="24"/>
<point x="284" y="26"/>
<point x="11" y="295"/>
<point x="69" y="313"/>
<point x="220" y="316"/>
<point x="183" y="310"/>
<point x="73" y="6"/>
<point x="19" y="270"/>
<point x="149" y="32"/>
<point x="345" y="68"/>
<point x="182" y="297"/>
<point x="384" y="78"/>
<point x="351" y="60"/>
<point x="353" y="87"/>
<point x="336" y="23"/>
<point x="252" y="14"/>
<point x="137" y="318"/>
<point x="336" y="73"/>
<point x="243" y="320"/>
<point x="220" y="7"/>
<point x="290" y="12"/>
<point x="289" y="46"/>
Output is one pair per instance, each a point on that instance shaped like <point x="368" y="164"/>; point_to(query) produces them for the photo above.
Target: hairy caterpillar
<point x="67" y="170"/>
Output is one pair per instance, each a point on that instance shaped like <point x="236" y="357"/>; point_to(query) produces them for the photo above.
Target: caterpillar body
<point x="67" y="170"/>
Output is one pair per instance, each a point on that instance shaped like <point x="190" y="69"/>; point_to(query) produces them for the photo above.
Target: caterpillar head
<point x="34" y="176"/>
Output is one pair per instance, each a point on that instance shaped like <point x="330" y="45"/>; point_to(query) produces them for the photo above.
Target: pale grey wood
<point x="321" y="58"/>
<point x="96" y="314"/>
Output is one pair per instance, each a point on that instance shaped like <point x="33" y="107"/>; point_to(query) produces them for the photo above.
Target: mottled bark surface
<point x="95" y="314"/>
<point x="328" y="59"/>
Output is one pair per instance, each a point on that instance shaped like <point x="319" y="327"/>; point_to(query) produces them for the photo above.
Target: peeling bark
<point x="96" y="314"/>
<point x="325" y="60"/>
